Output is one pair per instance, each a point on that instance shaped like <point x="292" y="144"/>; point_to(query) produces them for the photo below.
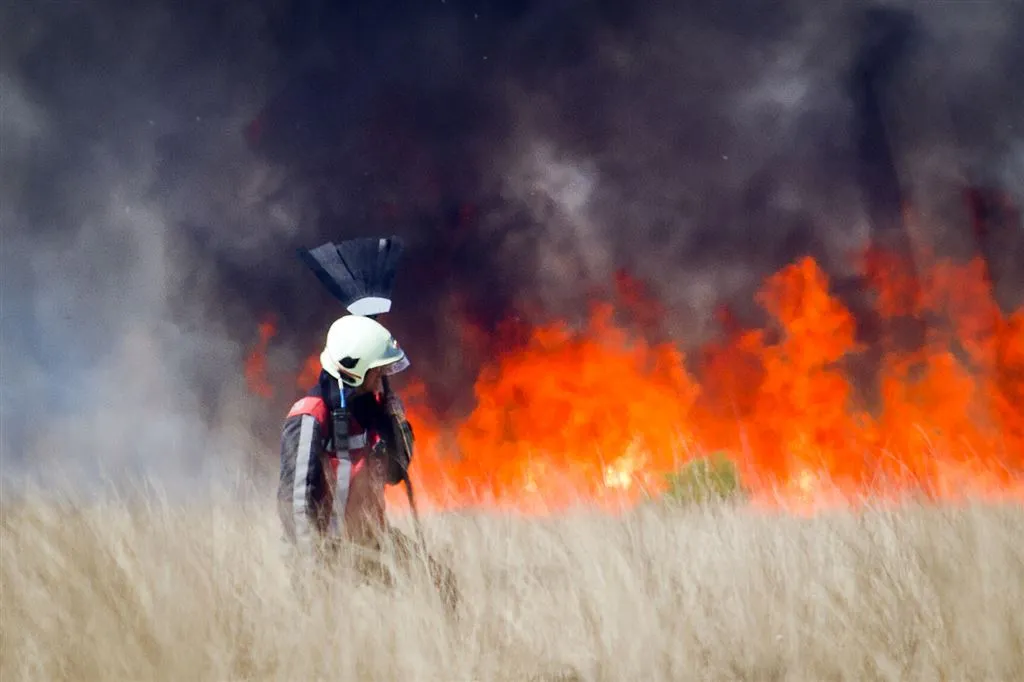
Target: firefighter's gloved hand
<point x="395" y="463"/>
<point x="398" y="455"/>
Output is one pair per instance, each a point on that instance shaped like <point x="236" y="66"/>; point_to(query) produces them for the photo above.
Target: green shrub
<point x="708" y="479"/>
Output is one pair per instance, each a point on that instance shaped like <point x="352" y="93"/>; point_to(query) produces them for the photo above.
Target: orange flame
<point x="256" y="361"/>
<point x="599" y="415"/>
<point x="310" y="372"/>
<point x="602" y="413"/>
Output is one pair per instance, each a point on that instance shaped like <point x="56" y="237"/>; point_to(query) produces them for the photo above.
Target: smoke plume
<point x="161" y="163"/>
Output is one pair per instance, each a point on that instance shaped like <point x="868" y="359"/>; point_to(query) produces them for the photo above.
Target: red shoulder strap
<point x="311" y="405"/>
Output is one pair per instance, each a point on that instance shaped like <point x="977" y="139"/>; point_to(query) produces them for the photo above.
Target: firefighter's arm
<point x="395" y="446"/>
<point x="302" y="467"/>
<point x="388" y="420"/>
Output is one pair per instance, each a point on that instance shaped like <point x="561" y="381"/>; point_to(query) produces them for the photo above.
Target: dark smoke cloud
<point x="525" y="150"/>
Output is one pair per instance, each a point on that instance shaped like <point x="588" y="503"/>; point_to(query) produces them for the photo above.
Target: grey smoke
<point x="699" y="148"/>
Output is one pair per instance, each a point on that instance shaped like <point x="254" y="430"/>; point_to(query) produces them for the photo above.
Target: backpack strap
<point x="336" y="404"/>
<point x="338" y="444"/>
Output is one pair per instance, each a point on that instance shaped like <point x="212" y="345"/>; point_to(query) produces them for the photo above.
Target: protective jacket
<point x="330" y="489"/>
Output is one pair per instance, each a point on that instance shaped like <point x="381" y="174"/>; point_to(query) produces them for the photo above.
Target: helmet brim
<point x="393" y="361"/>
<point x="397" y="366"/>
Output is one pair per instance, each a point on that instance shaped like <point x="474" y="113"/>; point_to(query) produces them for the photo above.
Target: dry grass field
<point x="114" y="591"/>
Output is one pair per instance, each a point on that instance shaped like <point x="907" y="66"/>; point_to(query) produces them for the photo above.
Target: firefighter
<point x="341" y="445"/>
<point x="339" y="448"/>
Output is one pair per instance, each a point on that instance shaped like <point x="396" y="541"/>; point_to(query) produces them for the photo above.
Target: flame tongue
<point x="571" y="410"/>
<point x="256" y="361"/>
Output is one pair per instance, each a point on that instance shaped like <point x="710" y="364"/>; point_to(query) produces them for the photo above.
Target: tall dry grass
<point x="111" y="591"/>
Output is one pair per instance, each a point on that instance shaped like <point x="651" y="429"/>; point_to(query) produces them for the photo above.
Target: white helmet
<point x="357" y="344"/>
